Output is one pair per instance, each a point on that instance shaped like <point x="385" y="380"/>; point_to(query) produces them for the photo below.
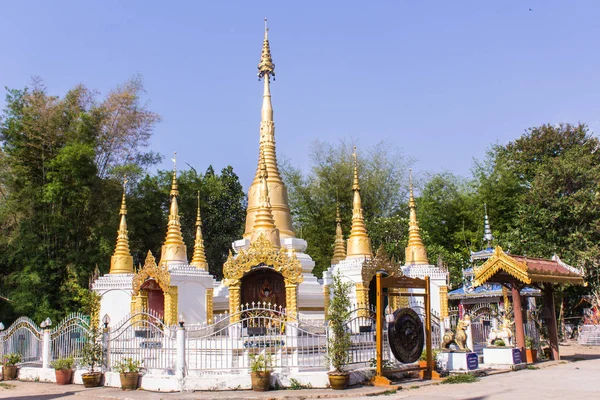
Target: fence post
<point x="180" y="345"/>
<point x="46" y="349"/>
<point x="106" y="346"/>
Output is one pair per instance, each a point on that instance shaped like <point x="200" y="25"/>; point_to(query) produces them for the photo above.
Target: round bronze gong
<point x="406" y="335"/>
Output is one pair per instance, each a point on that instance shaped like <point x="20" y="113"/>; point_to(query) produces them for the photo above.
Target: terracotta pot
<point x="129" y="380"/>
<point x="9" y="372"/>
<point x="63" y="376"/>
<point x="339" y="381"/>
<point x="91" y="379"/>
<point x="530" y="356"/>
<point x="261" y="381"/>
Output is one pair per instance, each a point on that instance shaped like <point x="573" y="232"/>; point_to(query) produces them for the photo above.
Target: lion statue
<point x="458" y="337"/>
<point x="504" y="333"/>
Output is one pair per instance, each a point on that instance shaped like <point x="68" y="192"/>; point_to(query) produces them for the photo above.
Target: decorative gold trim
<point x="171" y="299"/>
<point x="362" y="299"/>
<point x="209" y="305"/>
<point x="381" y="262"/>
<point x="151" y="271"/>
<point x="326" y="299"/>
<point x="500" y="261"/>
<point x="443" y="301"/>
<point x="262" y="253"/>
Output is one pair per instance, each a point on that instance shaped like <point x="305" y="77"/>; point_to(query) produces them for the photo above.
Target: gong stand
<point x="402" y="282"/>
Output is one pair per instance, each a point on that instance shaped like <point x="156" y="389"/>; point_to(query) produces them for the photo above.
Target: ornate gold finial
<point x="264" y="224"/>
<point x="339" y="247"/>
<point x="174" y="248"/>
<point x="199" y="257"/>
<point x="266" y="66"/>
<point x="277" y="190"/>
<point x="359" y="243"/>
<point x="415" y="250"/>
<point x="122" y="262"/>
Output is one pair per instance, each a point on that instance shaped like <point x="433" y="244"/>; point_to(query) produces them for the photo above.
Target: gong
<point x="406" y="335"/>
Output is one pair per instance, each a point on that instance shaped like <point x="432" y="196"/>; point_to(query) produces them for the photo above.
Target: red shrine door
<point x="156" y="298"/>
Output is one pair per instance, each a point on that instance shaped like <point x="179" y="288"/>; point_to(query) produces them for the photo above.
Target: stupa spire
<point x="339" y="247"/>
<point x="264" y="223"/>
<point x="487" y="230"/>
<point x="174" y="250"/>
<point x="359" y="243"/>
<point x="121" y="261"/>
<point x="415" y="250"/>
<point x="279" y="197"/>
<point x="199" y="257"/>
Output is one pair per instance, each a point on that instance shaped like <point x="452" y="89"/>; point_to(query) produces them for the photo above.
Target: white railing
<point x="23" y="337"/>
<point x="69" y="337"/>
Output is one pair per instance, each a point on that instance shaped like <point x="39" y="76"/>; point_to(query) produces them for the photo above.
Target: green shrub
<point x="127" y="365"/>
<point x="529" y="343"/>
<point x="338" y="313"/>
<point x="11" y="359"/>
<point x="63" y="363"/>
<point x="260" y="363"/>
<point x="297" y="385"/>
<point x="93" y="352"/>
<point x="499" y="342"/>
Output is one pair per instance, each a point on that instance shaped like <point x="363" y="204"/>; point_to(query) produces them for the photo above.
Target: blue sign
<point x="517" y="356"/>
<point x="472" y="361"/>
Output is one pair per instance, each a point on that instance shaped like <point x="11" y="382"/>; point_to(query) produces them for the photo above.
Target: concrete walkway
<point x="575" y="379"/>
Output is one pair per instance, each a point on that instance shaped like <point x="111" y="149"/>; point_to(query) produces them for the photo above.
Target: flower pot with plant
<point x="530" y="351"/>
<point x="339" y="343"/>
<point x="9" y="365"/>
<point x="129" y="372"/>
<point x="63" y="368"/>
<point x="93" y="355"/>
<point x="260" y="372"/>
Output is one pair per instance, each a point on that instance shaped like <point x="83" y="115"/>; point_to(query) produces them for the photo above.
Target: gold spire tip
<point x="123" y="204"/>
<point x="266" y="66"/>
<point x="174" y="186"/>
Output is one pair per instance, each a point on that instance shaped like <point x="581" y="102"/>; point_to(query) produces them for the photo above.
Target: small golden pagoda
<point x="199" y="257"/>
<point x="415" y="250"/>
<point x="339" y="247"/>
<point x="174" y="249"/>
<point x="122" y="262"/>
<point x="359" y="243"/>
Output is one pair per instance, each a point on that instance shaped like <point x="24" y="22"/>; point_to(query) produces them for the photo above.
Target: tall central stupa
<point x="277" y="189"/>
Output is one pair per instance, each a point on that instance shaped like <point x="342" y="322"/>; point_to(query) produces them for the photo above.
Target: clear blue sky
<point x="442" y="80"/>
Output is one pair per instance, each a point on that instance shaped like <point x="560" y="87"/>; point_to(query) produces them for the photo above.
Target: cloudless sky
<point x="441" y="80"/>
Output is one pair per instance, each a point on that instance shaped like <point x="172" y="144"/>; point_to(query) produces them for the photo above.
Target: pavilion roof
<point x="502" y="267"/>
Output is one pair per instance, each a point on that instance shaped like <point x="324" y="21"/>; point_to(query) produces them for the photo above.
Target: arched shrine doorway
<point x="263" y="285"/>
<point x="156" y="298"/>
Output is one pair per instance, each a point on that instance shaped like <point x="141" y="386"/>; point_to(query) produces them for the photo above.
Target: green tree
<point x="312" y="196"/>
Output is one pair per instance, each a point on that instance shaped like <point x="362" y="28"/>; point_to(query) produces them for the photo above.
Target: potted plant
<point x="63" y="368"/>
<point x="93" y="355"/>
<point x="530" y="351"/>
<point x="9" y="365"/>
<point x="129" y="372"/>
<point x="260" y="372"/>
<point x="423" y="359"/>
<point x="339" y="341"/>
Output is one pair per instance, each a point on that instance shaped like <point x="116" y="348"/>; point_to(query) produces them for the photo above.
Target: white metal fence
<point x="23" y="337"/>
<point x="69" y="337"/>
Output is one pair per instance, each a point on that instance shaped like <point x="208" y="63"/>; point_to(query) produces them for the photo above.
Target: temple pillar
<point x="518" y="313"/>
<point x="291" y="301"/>
<point x="209" y="305"/>
<point x="443" y="302"/>
<point x="171" y="306"/>
<point x="234" y="301"/>
<point x="326" y="299"/>
<point x="551" y="322"/>
<point x="362" y="299"/>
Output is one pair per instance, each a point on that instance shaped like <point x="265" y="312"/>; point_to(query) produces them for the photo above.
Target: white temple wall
<point x="191" y="296"/>
<point x="116" y="303"/>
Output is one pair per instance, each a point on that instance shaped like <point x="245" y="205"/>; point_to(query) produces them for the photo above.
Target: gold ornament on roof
<point x="266" y="66"/>
<point x="415" y="250"/>
<point x="359" y="243"/>
<point x="121" y="261"/>
<point x="262" y="253"/>
<point x="151" y="270"/>
<point x="199" y="257"/>
<point x="264" y="224"/>
<point x="381" y="262"/>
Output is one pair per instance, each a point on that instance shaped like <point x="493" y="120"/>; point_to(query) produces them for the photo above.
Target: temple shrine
<point x="268" y="265"/>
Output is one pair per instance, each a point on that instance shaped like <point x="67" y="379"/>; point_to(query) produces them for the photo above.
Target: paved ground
<point x="576" y="378"/>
